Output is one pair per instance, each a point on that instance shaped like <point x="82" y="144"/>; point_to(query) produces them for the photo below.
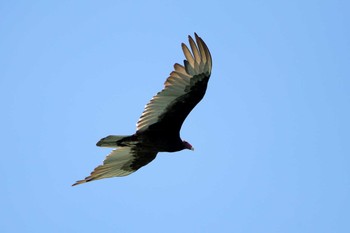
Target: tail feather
<point x="110" y="141"/>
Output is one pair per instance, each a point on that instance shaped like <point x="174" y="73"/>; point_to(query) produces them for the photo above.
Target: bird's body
<point x="158" y="129"/>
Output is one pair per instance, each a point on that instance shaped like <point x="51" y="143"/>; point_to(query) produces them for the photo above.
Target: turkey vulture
<point x="158" y="129"/>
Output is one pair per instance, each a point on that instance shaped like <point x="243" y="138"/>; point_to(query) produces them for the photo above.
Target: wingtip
<point x="189" y="37"/>
<point x="196" y="35"/>
<point x="204" y="49"/>
<point x="199" y="56"/>
<point x="79" y="182"/>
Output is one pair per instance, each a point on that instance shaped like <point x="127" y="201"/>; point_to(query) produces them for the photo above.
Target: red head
<point x="187" y="145"/>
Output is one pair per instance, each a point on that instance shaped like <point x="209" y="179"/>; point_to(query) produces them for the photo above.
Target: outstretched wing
<point x="121" y="162"/>
<point x="184" y="88"/>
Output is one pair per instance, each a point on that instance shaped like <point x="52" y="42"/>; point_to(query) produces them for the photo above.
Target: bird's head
<point x="187" y="145"/>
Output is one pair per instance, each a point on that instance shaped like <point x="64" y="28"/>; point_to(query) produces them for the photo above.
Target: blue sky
<point x="271" y="136"/>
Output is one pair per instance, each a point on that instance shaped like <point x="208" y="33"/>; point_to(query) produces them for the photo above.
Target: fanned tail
<point x="112" y="141"/>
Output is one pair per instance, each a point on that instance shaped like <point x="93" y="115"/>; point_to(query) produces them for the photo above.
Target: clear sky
<point x="271" y="136"/>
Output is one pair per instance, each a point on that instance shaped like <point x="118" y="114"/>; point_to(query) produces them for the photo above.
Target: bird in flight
<point x="158" y="129"/>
